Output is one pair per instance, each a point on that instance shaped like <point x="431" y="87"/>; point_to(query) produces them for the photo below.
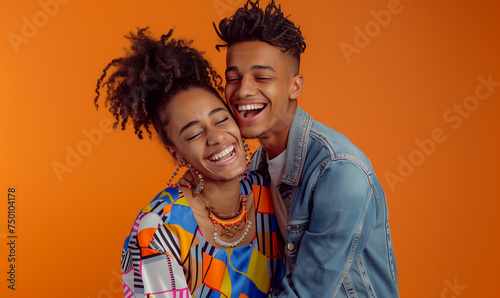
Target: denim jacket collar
<point x="296" y="150"/>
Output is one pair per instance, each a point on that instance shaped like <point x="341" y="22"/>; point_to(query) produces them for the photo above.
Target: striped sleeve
<point x="150" y="259"/>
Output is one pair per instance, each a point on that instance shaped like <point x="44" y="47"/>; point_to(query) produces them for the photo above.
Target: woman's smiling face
<point x="203" y="133"/>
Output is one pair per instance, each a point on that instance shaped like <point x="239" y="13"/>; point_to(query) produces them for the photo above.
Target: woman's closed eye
<point x="194" y="135"/>
<point x="222" y="120"/>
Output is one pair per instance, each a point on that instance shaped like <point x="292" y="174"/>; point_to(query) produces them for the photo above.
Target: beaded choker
<point x="229" y="228"/>
<point x="222" y="217"/>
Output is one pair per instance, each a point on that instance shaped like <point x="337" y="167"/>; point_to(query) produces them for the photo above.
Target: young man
<point x="331" y="207"/>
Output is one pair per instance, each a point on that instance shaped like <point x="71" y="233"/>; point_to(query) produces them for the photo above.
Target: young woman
<point x="217" y="239"/>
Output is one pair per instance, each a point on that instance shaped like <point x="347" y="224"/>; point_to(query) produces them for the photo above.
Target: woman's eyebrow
<point x="216" y="111"/>
<point x="189" y="125"/>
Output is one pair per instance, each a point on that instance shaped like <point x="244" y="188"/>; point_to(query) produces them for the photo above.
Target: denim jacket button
<point x="290" y="246"/>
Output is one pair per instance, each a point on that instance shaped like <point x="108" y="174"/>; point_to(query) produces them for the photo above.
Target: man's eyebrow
<point x="231" y="68"/>
<point x="194" y="122"/>
<point x="263" y="67"/>
<point x="254" y="67"/>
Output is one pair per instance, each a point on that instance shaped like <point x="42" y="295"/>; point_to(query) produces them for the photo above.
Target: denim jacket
<point x="338" y="242"/>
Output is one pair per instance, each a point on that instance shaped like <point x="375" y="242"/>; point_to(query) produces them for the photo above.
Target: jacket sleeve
<point x="149" y="265"/>
<point x="343" y="213"/>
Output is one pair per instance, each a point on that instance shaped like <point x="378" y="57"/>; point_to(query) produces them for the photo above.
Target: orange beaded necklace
<point x="229" y="228"/>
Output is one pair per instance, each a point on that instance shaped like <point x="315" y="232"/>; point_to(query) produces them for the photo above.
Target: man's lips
<point x="250" y="110"/>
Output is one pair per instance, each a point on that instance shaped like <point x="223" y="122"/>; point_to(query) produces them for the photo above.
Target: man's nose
<point x="247" y="87"/>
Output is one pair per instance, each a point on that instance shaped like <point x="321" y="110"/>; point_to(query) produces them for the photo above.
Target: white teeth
<point x="250" y="107"/>
<point x="222" y="154"/>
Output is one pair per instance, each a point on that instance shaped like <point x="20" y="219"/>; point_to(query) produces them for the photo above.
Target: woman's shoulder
<point x="164" y="198"/>
<point x="159" y="208"/>
<point x="156" y="217"/>
<point x="168" y="207"/>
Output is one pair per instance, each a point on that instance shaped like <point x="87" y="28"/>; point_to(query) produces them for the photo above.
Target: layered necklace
<point x="227" y="227"/>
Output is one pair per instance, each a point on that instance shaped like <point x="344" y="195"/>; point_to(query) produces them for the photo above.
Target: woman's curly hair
<point x="251" y="23"/>
<point x="150" y="74"/>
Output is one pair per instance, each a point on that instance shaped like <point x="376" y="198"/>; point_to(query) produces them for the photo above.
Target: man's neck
<point x="273" y="145"/>
<point x="275" y="140"/>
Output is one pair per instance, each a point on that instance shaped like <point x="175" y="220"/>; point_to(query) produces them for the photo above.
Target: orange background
<point x="400" y="85"/>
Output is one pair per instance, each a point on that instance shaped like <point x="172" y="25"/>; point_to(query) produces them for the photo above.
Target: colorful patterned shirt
<point x="166" y="254"/>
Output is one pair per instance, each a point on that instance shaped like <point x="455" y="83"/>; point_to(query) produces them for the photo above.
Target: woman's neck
<point x="222" y="197"/>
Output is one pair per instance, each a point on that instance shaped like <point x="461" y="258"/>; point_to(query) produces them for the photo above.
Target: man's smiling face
<point x="261" y="89"/>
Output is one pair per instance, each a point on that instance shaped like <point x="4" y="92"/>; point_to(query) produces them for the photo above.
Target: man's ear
<point x="297" y="86"/>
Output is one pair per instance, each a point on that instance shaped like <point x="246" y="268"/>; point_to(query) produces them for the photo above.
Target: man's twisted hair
<point x="250" y="23"/>
<point x="151" y="73"/>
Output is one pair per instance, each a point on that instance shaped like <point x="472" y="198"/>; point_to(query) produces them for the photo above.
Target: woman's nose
<point x="215" y="136"/>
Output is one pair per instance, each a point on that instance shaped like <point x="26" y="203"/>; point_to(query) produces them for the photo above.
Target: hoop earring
<point x="248" y="160"/>
<point x="175" y="174"/>
<point x="200" y="185"/>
